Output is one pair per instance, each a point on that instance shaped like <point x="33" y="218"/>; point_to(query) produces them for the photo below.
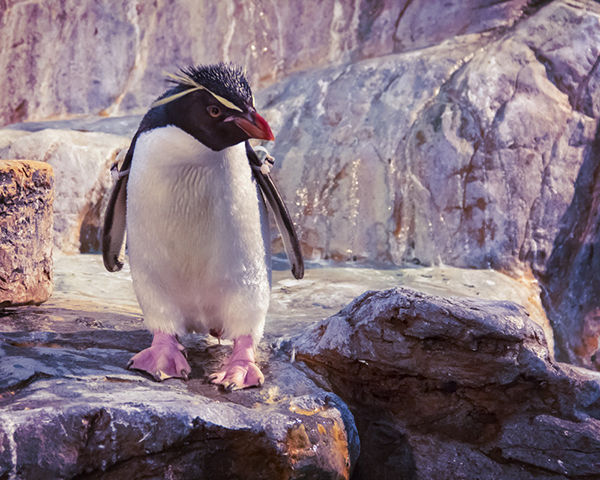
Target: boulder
<point x="81" y="162"/>
<point x="70" y="409"/>
<point x="455" y="388"/>
<point x="26" y="196"/>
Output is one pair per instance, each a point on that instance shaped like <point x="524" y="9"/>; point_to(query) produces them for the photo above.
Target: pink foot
<point x="240" y="371"/>
<point x="164" y="359"/>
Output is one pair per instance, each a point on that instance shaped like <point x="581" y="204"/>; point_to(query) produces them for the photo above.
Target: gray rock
<point x="26" y="197"/>
<point x="69" y="408"/>
<point x="571" y="281"/>
<point x="455" y="388"/>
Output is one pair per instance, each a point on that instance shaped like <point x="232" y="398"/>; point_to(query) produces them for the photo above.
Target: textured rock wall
<point x="113" y="53"/>
<point x="428" y="132"/>
<point x="464" y="153"/>
<point x="572" y="281"/>
<point x="26" y="196"/>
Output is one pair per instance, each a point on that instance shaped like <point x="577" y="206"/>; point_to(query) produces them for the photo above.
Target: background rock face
<point x="465" y="153"/>
<point x="26" y="196"/>
<point x="112" y="53"/>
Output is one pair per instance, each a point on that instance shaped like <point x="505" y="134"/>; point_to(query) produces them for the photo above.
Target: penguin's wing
<point x="282" y="216"/>
<point x="113" y="232"/>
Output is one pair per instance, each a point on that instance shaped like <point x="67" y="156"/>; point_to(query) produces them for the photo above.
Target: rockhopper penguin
<point x="190" y="195"/>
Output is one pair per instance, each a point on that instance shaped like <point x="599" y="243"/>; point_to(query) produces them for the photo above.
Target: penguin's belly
<point x="197" y="236"/>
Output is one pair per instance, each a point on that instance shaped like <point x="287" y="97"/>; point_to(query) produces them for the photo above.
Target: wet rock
<point x="120" y="50"/>
<point x="26" y="196"/>
<point x="455" y="388"/>
<point x="69" y="408"/>
<point x="464" y="153"/>
<point x="81" y="163"/>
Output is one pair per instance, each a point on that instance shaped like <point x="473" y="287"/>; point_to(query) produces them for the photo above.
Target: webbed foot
<point x="240" y="371"/>
<point x="163" y="359"/>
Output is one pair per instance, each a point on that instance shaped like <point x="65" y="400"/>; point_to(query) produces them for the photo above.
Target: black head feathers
<point x="225" y="81"/>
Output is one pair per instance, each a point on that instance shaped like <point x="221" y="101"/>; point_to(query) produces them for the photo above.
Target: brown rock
<point x="26" y="196"/>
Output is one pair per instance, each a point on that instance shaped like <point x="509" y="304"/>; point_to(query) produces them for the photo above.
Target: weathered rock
<point x="464" y="153"/>
<point x="69" y="408"/>
<point x="81" y="162"/>
<point x="121" y="49"/>
<point x="571" y="281"/>
<point x="26" y="196"/>
<point x="455" y="388"/>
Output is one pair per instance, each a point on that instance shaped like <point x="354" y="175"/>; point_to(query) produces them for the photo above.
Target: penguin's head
<point x="214" y="104"/>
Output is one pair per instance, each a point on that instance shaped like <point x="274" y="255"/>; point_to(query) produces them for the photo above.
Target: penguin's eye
<point x="213" y="111"/>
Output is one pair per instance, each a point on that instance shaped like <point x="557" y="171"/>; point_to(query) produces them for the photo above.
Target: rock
<point x="69" y="408"/>
<point x="571" y="282"/>
<point x="464" y="153"/>
<point x="120" y="50"/>
<point x="455" y="388"/>
<point x="81" y="162"/>
<point x="26" y="196"/>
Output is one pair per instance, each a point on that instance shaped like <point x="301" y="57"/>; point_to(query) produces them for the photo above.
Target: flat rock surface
<point x="69" y="408"/>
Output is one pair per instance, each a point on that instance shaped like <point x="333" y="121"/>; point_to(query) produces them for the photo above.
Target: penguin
<point x="191" y="196"/>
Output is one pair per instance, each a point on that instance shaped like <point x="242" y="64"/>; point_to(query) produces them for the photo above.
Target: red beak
<point x="255" y="126"/>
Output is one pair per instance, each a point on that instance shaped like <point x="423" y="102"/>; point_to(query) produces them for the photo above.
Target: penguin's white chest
<point x="197" y="235"/>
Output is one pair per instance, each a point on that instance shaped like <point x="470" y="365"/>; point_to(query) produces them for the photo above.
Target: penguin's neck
<point x="171" y="147"/>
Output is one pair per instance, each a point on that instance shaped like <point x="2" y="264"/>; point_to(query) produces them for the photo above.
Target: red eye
<point x="213" y="111"/>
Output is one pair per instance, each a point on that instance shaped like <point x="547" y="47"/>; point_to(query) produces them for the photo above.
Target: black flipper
<point x="113" y="231"/>
<point x="282" y="216"/>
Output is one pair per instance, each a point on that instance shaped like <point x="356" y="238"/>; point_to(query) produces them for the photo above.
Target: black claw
<point x="230" y="387"/>
<point x="129" y="364"/>
<point x="185" y="375"/>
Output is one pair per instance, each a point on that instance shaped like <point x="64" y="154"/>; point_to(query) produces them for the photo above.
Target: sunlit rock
<point x="455" y="388"/>
<point x="81" y="163"/>
<point x="26" y="196"/>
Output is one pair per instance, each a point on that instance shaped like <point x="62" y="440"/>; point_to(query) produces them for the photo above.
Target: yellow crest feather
<point x="186" y="80"/>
